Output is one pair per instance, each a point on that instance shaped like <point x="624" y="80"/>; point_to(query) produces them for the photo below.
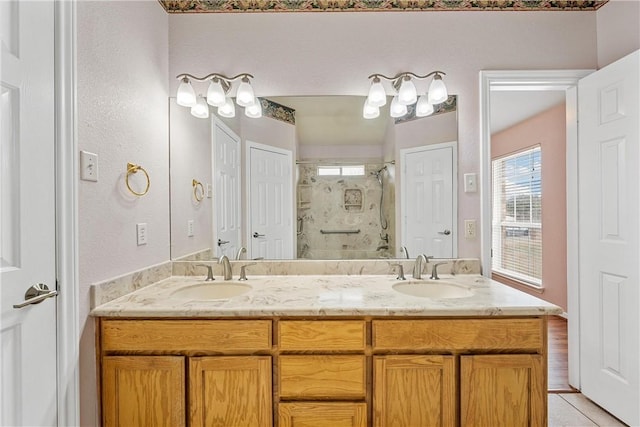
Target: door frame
<point x="454" y="188"/>
<point x="66" y="212"/>
<point x="535" y="80"/>
<point x="214" y="223"/>
<point x="247" y="175"/>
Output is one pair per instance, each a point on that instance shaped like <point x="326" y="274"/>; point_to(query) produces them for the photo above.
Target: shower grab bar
<point x="340" y="231"/>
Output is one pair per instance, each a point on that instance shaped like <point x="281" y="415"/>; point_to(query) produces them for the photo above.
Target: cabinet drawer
<point x="312" y="377"/>
<point x="186" y="335"/>
<point x="526" y="335"/>
<point x="322" y="335"/>
<point x="321" y="414"/>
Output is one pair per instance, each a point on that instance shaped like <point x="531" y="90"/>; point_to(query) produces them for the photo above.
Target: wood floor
<point x="558" y="380"/>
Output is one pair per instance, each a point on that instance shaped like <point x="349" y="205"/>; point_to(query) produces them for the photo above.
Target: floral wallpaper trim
<point x="278" y="111"/>
<point x="210" y="6"/>
<point x="451" y="104"/>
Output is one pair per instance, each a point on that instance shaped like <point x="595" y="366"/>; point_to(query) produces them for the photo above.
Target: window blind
<point x="517" y="216"/>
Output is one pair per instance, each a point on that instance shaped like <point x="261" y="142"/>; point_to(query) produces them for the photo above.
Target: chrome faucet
<point x="434" y="270"/>
<point x="417" y="267"/>
<point x="209" y="272"/>
<point x="226" y="266"/>
<point x="240" y="252"/>
<point x="405" y="251"/>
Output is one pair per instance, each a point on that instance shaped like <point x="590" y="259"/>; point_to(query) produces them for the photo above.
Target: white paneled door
<point x="270" y="202"/>
<point x="226" y="173"/>
<point x="428" y="200"/>
<point x="609" y="237"/>
<point x="27" y="215"/>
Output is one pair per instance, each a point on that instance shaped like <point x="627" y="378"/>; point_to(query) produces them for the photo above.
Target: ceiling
<point x="218" y="6"/>
<point x="511" y="107"/>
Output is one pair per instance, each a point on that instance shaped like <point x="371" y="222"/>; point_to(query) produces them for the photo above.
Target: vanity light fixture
<point x="218" y="95"/>
<point x="405" y="94"/>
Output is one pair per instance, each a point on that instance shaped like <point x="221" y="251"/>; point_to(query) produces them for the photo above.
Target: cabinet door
<point x="322" y="414"/>
<point x="230" y="391"/>
<point x="508" y="390"/>
<point x="143" y="391"/>
<point x="414" y="391"/>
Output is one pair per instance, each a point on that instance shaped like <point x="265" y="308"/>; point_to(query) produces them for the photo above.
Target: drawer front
<point x="526" y="335"/>
<point x="313" y="377"/>
<point x="186" y="335"/>
<point x="322" y="335"/>
<point x="321" y="414"/>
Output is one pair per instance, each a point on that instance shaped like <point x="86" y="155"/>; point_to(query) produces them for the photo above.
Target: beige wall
<point x="618" y="29"/>
<point x="548" y="129"/>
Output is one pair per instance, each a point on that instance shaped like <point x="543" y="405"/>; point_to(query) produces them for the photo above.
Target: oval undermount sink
<point x="432" y="289"/>
<point x="211" y="291"/>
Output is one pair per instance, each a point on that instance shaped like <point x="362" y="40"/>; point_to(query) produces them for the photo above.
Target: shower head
<point x="378" y="173"/>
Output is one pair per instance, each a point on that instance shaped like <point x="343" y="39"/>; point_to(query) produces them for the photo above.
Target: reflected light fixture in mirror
<point x="405" y="93"/>
<point x="218" y="95"/>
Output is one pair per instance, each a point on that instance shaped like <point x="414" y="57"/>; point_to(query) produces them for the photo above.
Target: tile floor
<point x="575" y="410"/>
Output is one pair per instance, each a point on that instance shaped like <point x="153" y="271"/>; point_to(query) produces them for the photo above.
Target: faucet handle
<point x="209" y="272"/>
<point x="400" y="271"/>
<point x="243" y="272"/>
<point x="434" y="270"/>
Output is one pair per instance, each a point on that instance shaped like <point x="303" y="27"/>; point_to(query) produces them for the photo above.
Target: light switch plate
<point x="141" y="230"/>
<point x="190" y="228"/>
<point x="470" y="182"/>
<point x="88" y="166"/>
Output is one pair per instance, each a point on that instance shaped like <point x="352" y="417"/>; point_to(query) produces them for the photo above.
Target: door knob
<point x="222" y="242"/>
<point x="445" y="232"/>
<point x="257" y="235"/>
<point x="36" y="294"/>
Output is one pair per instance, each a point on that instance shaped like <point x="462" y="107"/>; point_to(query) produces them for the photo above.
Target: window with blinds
<point x="517" y="217"/>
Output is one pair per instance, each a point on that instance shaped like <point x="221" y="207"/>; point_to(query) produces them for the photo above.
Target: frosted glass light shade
<point x="437" y="90"/>
<point x="370" y="111"/>
<point x="227" y="110"/>
<point x="254" y="110"/>
<point x="201" y="109"/>
<point x="186" y="96"/>
<point x="407" y="93"/>
<point x="215" y="94"/>
<point x="377" y="96"/>
<point x="244" y="95"/>
<point x="423" y="108"/>
<point x="397" y="109"/>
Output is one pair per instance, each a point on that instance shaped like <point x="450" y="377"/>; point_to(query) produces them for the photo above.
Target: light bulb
<point x="397" y="109"/>
<point x="377" y="96"/>
<point x="423" y="108"/>
<point x="227" y="110"/>
<point x="407" y="93"/>
<point x="370" y="111"/>
<point x="215" y="94"/>
<point x="186" y="96"/>
<point x="201" y="109"/>
<point x="437" y="90"/>
<point x="254" y="110"/>
<point x="244" y="95"/>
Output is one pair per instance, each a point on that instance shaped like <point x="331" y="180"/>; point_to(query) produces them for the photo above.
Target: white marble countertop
<point x="325" y="295"/>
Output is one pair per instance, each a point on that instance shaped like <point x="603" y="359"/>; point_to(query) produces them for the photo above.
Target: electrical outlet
<point x="190" y="228"/>
<point x="469" y="228"/>
<point x="88" y="166"/>
<point x="209" y="191"/>
<point x="141" y="230"/>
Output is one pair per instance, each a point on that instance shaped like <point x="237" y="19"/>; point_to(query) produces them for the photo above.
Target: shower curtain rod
<point x="340" y="162"/>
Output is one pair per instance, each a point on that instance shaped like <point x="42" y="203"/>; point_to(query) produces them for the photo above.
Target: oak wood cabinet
<point x="352" y="372"/>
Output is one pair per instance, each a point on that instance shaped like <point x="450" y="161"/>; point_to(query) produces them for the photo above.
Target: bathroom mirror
<point x="345" y="178"/>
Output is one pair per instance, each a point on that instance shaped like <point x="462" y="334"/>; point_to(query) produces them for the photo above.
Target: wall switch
<point x="469" y="228"/>
<point x="88" y="166"/>
<point x="209" y="191"/>
<point x="141" y="230"/>
<point x="190" y="228"/>
<point x="470" y="182"/>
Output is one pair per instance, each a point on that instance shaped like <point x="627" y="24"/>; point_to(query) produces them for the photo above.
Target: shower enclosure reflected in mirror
<point x="346" y="178"/>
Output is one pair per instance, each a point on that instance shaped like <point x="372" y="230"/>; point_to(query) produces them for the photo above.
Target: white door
<point x="27" y="213"/>
<point x="609" y="237"/>
<point x="429" y="215"/>
<point x="270" y="202"/>
<point x="226" y="161"/>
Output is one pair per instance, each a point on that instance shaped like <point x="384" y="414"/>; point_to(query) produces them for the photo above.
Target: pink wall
<point x="548" y="129"/>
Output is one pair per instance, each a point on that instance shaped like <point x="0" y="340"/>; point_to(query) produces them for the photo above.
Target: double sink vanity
<point x="324" y="349"/>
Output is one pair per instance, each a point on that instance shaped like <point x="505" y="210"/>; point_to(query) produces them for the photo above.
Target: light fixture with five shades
<point x="218" y="95"/>
<point x="405" y="94"/>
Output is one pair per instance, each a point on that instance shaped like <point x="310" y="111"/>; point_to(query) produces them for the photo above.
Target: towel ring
<point x="197" y="184"/>
<point x="131" y="169"/>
